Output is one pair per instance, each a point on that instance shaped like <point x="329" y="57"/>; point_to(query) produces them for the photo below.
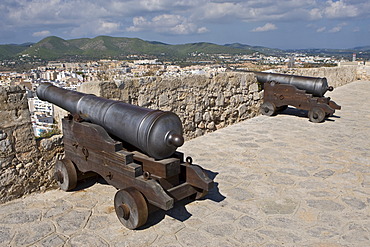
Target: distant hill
<point x="53" y="47"/>
<point x="10" y="51"/>
<point x="261" y="49"/>
<point x="363" y="48"/>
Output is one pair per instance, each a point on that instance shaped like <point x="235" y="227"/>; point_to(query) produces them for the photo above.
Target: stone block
<point x="24" y="138"/>
<point x="242" y="109"/>
<point x="197" y="117"/>
<point x="253" y="87"/>
<point x="5" y="147"/>
<point x="163" y="100"/>
<point x="50" y="143"/>
<point x="220" y="100"/>
<point x="143" y="100"/>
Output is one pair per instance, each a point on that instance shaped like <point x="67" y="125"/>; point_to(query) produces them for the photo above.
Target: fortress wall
<point x="204" y="103"/>
<point x="336" y="76"/>
<point x="25" y="164"/>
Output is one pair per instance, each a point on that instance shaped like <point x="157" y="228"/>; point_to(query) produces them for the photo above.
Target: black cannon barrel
<point x="316" y="86"/>
<point x="313" y="85"/>
<point x="157" y="133"/>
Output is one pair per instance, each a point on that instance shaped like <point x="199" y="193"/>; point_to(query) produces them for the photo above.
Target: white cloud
<point x="339" y="9"/>
<point x="265" y="28"/>
<point x="94" y="17"/>
<point x="94" y="27"/>
<point x="337" y="28"/>
<point x="321" y="29"/>
<point x="41" y="33"/>
<point x="173" y="24"/>
<point x="202" y="30"/>
<point x="106" y="27"/>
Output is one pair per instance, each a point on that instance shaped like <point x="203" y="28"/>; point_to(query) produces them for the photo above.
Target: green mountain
<point x="53" y="47"/>
<point x="9" y="51"/>
<point x="261" y="49"/>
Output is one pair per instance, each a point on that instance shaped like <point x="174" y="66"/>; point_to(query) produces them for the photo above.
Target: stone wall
<point x="204" y="103"/>
<point x="24" y="167"/>
<point x="363" y="72"/>
<point x="336" y="76"/>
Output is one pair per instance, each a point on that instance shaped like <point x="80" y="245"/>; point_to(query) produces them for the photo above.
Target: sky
<point x="289" y="24"/>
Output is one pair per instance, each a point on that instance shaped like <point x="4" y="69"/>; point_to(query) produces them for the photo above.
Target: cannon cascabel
<point x="155" y="132"/>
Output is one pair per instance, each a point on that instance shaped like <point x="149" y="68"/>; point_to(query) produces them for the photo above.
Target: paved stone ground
<point x="281" y="181"/>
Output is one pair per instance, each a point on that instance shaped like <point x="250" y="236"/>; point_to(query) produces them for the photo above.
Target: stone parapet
<point x="203" y="102"/>
<point x="23" y="167"/>
<point x="336" y="76"/>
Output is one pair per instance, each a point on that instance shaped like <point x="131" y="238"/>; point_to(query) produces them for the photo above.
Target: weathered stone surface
<point x="326" y="205"/>
<point x="87" y="239"/>
<point x="324" y="173"/>
<point x="53" y="240"/>
<point x="281" y="180"/>
<point x="219" y="230"/>
<point x="26" y="236"/>
<point x="20" y="217"/>
<point x="249" y="222"/>
<point x="72" y="221"/>
<point x="6" y="146"/>
<point x="354" y="202"/>
<point x="191" y="237"/>
<point x="138" y="238"/>
<point x="52" y="142"/>
<point x="322" y="232"/>
<point x="280" y="206"/>
<point x="22" y="171"/>
<point x="5" y="235"/>
<point x="295" y="172"/>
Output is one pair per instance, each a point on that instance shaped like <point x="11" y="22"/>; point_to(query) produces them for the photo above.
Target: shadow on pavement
<point x="156" y="215"/>
<point x="179" y="211"/>
<point x="303" y="113"/>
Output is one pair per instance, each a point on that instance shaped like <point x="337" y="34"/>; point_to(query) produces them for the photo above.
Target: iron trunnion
<point x="132" y="148"/>
<point x="302" y="92"/>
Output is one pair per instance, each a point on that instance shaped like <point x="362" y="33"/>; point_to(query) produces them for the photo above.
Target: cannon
<point x="302" y="92"/>
<point x="312" y="85"/>
<point x="131" y="147"/>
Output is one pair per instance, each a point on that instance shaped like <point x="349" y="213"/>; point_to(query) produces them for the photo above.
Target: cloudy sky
<point x="272" y="23"/>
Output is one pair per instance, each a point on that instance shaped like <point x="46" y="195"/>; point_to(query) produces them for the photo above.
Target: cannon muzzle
<point x="156" y="133"/>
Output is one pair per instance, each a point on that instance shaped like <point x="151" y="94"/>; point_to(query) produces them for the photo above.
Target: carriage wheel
<point x="131" y="208"/>
<point x="316" y="115"/>
<point x="268" y="109"/>
<point x="65" y="174"/>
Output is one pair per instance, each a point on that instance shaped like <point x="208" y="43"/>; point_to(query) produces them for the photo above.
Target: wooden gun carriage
<point x="144" y="182"/>
<point x="306" y="93"/>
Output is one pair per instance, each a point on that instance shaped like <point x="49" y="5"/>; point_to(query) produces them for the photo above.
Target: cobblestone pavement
<point x="281" y="181"/>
